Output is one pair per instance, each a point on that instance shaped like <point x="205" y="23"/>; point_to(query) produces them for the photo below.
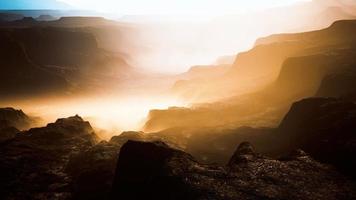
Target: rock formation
<point x="33" y="162"/>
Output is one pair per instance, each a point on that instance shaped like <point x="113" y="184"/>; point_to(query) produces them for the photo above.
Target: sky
<point x="149" y="6"/>
<point x="32" y="4"/>
<point x="176" y="6"/>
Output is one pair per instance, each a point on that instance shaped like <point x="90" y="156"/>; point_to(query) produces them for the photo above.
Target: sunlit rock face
<point x="285" y="67"/>
<point x="155" y="171"/>
<point x="33" y="162"/>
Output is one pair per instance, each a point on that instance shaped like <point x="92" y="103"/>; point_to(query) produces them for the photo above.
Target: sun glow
<point x="110" y="116"/>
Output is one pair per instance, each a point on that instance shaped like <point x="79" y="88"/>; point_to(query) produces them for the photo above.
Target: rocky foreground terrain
<point x="156" y="171"/>
<point x="67" y="160"/>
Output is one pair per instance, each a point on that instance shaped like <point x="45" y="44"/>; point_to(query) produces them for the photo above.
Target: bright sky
<point x="176" y="6"/>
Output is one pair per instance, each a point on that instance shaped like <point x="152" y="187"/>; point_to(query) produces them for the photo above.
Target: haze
<point x="153" y="54"/>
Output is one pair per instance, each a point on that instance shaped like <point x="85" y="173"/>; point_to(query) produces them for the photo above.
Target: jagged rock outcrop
<point x="33" y="163"/>
<point x="156" y="171"/>
<point x="11" y="117"/>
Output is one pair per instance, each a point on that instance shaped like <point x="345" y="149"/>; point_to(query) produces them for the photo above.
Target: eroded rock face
<point x="33" y="163"/>
<point x="324" y="128"/>
<point x="156" y="171"/>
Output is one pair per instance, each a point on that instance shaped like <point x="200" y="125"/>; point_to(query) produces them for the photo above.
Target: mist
<point x="140" y="63"/>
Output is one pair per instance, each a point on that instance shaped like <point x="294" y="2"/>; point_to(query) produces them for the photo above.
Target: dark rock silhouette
<point x="155" y="171"/>
<point x="144" y="166"/>
<point x="33" y="162"/>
